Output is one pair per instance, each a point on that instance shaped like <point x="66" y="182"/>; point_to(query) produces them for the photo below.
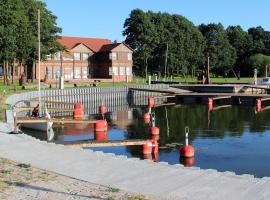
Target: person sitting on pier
<point x="35" y="112"/>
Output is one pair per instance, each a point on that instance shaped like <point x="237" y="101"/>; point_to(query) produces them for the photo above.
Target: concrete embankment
<point x="130" y="174"/>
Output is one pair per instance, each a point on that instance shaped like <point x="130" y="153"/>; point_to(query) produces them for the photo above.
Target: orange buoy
<point x="147" y="147"/>
<point x="78" y="111"/>
<point x="146" y="118"/>
<point x="102" y="109"/>
<point x="151" y="102"/>
<point x="154" y="130"/>
<point x="101" y="135"/>
<point x="258" y="105"/>
<point x="147" y="156"/>
<point x="187" y="151"/>
<point x="100" y="126"/>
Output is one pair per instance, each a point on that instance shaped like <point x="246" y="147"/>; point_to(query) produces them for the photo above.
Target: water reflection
<point x="234" y="138"/>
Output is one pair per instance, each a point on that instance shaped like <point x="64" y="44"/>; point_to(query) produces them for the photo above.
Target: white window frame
<point x="128" y="71"/>
<point x="113" y="56"/>
<point x="122" y="71"/>
<point x="85" y="56"/>
<point x="77" y="56"/>
<point x="115" y="70"/>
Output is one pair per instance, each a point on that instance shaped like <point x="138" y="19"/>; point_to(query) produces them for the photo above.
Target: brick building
<point x="88" y="59"/>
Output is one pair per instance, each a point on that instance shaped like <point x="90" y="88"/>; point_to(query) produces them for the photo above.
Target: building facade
<point x="86" y="60"/>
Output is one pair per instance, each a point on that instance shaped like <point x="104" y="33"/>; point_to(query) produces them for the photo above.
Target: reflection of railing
<point x="116" y="99"/>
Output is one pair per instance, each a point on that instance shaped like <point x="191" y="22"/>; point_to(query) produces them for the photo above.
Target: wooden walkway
<point x="59" y="121"/>
<point x="104" y="143"/>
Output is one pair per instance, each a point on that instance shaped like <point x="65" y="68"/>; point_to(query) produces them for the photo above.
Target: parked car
<point x="265" y="81"/>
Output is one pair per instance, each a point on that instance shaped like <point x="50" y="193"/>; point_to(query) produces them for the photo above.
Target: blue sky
<point x="105" y="18"/>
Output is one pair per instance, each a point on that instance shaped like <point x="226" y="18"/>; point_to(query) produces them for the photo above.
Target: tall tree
<point x="222" y="54"/>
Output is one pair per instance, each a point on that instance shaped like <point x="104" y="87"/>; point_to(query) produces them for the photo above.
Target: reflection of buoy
<point x="210" y="104"/>
<point x="101" y="135"/>
<point x="155" y="146"/>
<point x="155" y="137"/>
<point x="102" y="109"/>
<point x="154" y="130"/>
<point x="146" y="118"/>
<point x="187" y="162"/>
<point x="78" y="111"/>
<point x="101" y="125"/>
<point x="151" y="102"/>
<point x="187" y="151"/>
<point x="258" y="105"/>
<point x="147" y="147"/>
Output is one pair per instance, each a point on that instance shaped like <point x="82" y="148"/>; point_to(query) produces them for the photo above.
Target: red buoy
<point x="151" y="102"/>
<point x="102" y="109"/>
<point x="154" y="130"/>
<point x="155" y="146"/>
<point x="155" y="137"/>
<point x="187" y="151"/>
<point x="187" y="162"/>
<point x="101" y="135"/>
<point x="147" y="147"/>
<point x="101" y="125"/>
<point x="146" y="118"/>
<point x="258" y="105"/>
<point x="78" y="111"/>
<point x="210" y="104"/>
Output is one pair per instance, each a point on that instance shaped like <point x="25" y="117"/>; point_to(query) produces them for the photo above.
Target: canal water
<point x="235" y="138"/>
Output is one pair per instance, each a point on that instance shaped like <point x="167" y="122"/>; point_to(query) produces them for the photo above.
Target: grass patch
<point x="112" y="189"/>
<point x="23" y="165"/>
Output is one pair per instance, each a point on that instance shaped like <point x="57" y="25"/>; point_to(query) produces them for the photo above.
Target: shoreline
<point x="158" y="180"/>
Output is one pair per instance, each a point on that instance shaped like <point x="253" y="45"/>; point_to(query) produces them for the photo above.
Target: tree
<point x="222" y="54"/>
<point x="259" y="61"/>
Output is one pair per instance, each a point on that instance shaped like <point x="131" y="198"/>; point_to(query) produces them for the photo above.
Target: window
<point x="121" y="70"/>
<point x="128" y="71"/>
<point x="56" y="72"/>
<point x="115" y="70"/>
<point x="77" y="72"/>
<point x="129" y="56"/>
<point x="49" y="72"/>
<point x="77" y="56"/>
<point x="113" y="56"/>
<point x="85" y="56"/>
<point x="84" y="72"/>
<point x="48" y="57"/>
<point x="67" y="72"/>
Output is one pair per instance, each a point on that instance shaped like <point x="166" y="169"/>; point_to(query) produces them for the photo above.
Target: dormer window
<point x="57" y="56"/>
<point x="77" y="56"/>
<point x="113" y="56"/>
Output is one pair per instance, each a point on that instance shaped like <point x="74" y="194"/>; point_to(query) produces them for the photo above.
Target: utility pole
<point x="166" y="59"/>
<point x="208" y="70"/>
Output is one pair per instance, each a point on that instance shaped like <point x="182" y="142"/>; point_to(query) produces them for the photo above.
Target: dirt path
<point x="21" y="181"/>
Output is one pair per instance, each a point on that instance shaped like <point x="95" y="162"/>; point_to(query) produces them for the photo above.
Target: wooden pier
<point x="104" y="143"/>
<point x="59" y="121"/>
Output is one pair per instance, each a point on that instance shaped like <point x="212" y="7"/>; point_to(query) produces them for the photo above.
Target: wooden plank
<point x="220" y="107"/>
<point x="165" y="104"/>
<point x="104" y="143"/>
<point x="20" y="109"/>
<point x="68" y="121"/>
<point x="165" y="96"/>
<point x="222" y="97"/>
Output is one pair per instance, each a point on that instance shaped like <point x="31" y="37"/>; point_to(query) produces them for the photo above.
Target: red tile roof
<point x="109" y="47"/>
<point x="94" y="44"/>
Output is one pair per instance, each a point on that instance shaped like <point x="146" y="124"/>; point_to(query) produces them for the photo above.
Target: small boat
<point x="42" y="126"/>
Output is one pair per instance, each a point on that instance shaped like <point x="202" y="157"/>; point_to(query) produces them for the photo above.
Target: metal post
<point x="186" y="131"/>
<point x="39" y="94"/>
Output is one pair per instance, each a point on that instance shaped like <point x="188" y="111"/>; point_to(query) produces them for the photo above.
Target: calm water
<point x="230" y="139"/>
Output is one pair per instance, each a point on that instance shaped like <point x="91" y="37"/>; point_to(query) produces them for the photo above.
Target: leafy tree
<point x="222" y="54"/>
<point x="259" y="61"/>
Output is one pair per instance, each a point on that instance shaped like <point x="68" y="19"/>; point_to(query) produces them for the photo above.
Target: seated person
<point x="35" y="112"/>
